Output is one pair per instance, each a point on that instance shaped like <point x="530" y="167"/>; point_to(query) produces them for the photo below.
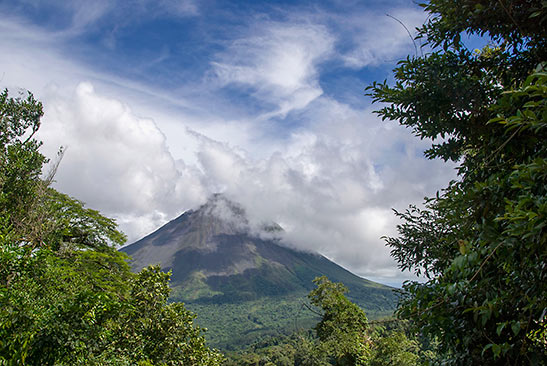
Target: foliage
<point x="343" y="336"/>
<point x="151" y="330"/>
<point x="20" y="161"/>
<point x="395" y="347"/>
<point x="67" y="296"/>
<point x="342" y="329"/>
<point x="235" y="326"/>
<point x="278" y="351"/>
<point x="481" y="242"/>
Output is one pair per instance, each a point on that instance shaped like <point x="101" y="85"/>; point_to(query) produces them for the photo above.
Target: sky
<point x="160" y="104"/>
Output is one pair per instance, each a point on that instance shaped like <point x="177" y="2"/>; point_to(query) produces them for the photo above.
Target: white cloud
<point x="330" y="186"/>
<point x="115" y="160"/>
<point x="379" y="38"/>
<point x="279" y="62"/>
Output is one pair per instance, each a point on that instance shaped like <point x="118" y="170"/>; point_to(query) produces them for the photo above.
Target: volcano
<point x="219" y="261"/>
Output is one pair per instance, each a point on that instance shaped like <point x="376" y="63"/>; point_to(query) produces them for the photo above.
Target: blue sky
<point x="162" y="103"/>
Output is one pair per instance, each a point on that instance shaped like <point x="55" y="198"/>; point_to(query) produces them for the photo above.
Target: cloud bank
<point x="331" y="187"/>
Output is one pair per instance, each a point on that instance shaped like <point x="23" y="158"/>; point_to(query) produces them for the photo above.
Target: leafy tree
<point x="394" y="348"/>
<point x="481" y="242"/>
<point x="342" y="329"/>
<point x="20" y="161"/>
<point x="346" y="337"/>
<point x="282" y="354"/>
<point x="67" y="296"/>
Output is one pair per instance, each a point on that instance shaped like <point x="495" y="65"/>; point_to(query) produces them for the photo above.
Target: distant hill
<point x="241" y="278"/>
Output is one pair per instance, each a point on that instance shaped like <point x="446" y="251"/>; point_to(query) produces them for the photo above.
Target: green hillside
<point x="232" y="326"/>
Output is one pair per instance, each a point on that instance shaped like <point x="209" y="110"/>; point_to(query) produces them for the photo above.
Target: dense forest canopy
<point x="482" y="241"/>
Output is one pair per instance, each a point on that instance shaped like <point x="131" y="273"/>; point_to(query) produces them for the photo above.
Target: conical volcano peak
<point x="221" y="216"/>
<point x="222" y="208"/>
<point x="233" y="218"/>
<point x="197" y="230"/>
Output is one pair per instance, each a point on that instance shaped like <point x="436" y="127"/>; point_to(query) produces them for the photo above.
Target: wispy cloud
<point x="71" y="19"/>
<point x="379" y="38"/>
<point x="179" y="7"/>
<point x="85" y="14"/>
<point x="279" y="62"/>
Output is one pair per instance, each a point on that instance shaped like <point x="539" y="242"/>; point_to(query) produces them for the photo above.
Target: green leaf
<point x="515" y="327"/>
<point x="486" y="348"/>
<point x="496" y="349"/>
<point x="500" y="327"/>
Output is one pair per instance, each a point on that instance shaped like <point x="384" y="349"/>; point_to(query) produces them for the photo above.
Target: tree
<point x="20" y="161"/>
<point x="67" y="296"/>
<point x="346" y="337"/>
<point x="394" y="348"/>
<point x="481" y="242"/>
<point x="342" y="329"/>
